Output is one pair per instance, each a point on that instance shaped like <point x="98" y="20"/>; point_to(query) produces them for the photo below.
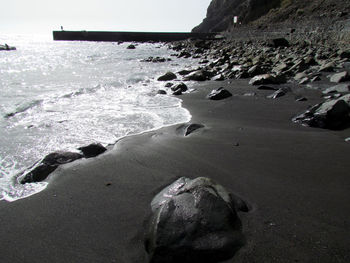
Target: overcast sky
<point x="43" y="16"/>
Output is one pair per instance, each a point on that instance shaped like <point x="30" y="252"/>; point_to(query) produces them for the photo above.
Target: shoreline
<point x="93" y="210"/>
<point x="294" y="178"/>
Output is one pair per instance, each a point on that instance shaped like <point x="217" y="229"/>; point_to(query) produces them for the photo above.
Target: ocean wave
<point x="23" y="108"/>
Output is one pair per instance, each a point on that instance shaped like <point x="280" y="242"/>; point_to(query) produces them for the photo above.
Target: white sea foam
<point x="63" y="95"/>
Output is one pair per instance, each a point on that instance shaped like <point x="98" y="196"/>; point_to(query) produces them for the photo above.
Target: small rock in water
<point x="131" y="46"/>
<point x="92" y="150"/>
<point x="161" y="92"/>
<point x="219" y="94"/>
<point x="194" y="221"/>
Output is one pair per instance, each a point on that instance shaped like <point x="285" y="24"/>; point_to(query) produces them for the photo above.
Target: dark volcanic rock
<point x="278" y="42"/>
<point x="332" y="114"/>
<point x="340" y="77"/>
<point x="92" y="150"/>
<point x="181" y="86"/>
<point x="193" y="221"/>
<point x="219" y="94"/>
<point x="41" y="170"/>
<point x="161" y="92"/>
<point x="167" y="76"/>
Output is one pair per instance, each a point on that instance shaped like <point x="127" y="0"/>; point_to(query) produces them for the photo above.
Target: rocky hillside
<point x="261" y="13"/>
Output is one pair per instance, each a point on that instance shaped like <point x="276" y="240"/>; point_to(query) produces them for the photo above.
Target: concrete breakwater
<point x="112" y="36"/>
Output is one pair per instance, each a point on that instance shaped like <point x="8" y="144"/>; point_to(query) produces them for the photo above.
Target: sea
<point x="61" y="95"/>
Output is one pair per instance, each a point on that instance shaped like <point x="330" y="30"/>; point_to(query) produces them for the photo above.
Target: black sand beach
<point x="294" y="178"/>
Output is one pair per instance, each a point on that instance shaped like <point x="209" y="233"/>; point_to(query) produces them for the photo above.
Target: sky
<point x="43" y="16"/>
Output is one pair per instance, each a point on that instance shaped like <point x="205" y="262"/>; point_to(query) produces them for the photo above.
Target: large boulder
<point x="41" y="170"/>
<point x="267" y="79"/>
<point x="199" y="75"/>
<point x="194" y="221"/>
<point x="167" y="76"/>
<point x="332" y="114"/>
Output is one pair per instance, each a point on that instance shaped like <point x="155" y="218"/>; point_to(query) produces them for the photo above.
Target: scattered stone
<point x="187" y="129"/>
<point x="316" y="78"/>
<point x="328" y="67"/>
<point x="181" y="86"/>
<point x="200" y="75"/>
<point x="340" y="77"/>
<point x="186" y="72"/>
<point x="92" y="150"/>
<point x="177" y="92"/>
<point x="263" y="87"/>
<point x="169" y="84"/>
<point x="278" y="93"/>
<point x="347" y="139"/>
<point x="167" y="76"/>
<point x="194" y="221"/>
<point x="304" y="81"/>
<point x="131" y="46"/>
<point x="161" y="92"/>
<point x="278" y="42"/>
<point x="267" y="79"/>
<point x="342" y="88"/>
<point x="155" y="59"/>
<point x="332" y="114"/>
<point x="300" y="98"/>
<point x="344" y="54"/>
<point x="300" y="76"/>
<point x="6" y="48"/>
<point x="41" y="170"/>
<point x="219" y="94"/>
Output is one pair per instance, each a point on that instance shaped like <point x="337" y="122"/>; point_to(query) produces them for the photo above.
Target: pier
<point x="116" y="36"/>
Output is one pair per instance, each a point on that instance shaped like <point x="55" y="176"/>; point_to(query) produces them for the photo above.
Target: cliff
<point x="259" y="13"/>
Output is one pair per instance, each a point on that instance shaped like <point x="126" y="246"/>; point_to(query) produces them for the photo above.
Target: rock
<point x="304" y="81"/>
<point x="167" y="76"/>
<point x="199" y="75"/>
<point x="316" y="78"/>
<point x="181" y="86"/>
<point x="184" y="54"/>
<point x="6" y="48"/>
<point x="193" y="221"/>
<point x="344" y="54"/>
<point x="187" y="129"/>
<point x="277" y="94"/>
<point x="156" y="59"/>
<point x="219" y="94"/>
<point x="263" y="87"/>
<point x="340" y="77"/>
<point x="42" y="169"/>
<point x="92" y="150"/>
<point x="332" y="114"/>
<point x="278" y="42"/>
<point x="161" y="92"/>
<point x="177" y="92"/>
<point x="186" y="72"/>
<point x="169" y="85"/>
<point x="342" y="88"/>
<point x="267" y="79"/>
<point x="327" y="67"/>
<point x="131" y="46"/>
<point x="300" y="98"/>
<point x="300" y="76"/>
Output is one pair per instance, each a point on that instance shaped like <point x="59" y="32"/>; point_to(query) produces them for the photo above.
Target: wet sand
<point x="296" y="180"/>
